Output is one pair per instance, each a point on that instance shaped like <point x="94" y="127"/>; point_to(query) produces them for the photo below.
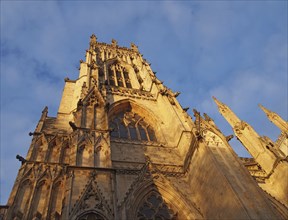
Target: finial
<point x="176" y="94"/>
<point x="45" y="109"/>
<point x="207" y="117"/>
<point x="216" y="100"/>
<point x="93" y="41"/>
<point x="114" y="43"/>
<point x="196" y="113"/>
<point x="134" y="47"/>
<point x="221" y="106"/>
<point x="264" y="109"/>
<point x="44" y="113"/>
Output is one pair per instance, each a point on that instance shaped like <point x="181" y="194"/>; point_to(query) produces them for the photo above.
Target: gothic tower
<point x="122" y="147"/>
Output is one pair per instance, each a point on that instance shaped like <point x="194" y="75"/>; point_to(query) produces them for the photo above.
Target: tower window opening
<point x="119" y="76"/>
<point x="111" y="77"/>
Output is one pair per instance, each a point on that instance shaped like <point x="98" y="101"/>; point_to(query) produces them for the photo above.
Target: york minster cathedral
<point x="122" y="147"/>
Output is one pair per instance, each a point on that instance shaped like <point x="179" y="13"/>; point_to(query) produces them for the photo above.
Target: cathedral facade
<point x="122" y="147"/>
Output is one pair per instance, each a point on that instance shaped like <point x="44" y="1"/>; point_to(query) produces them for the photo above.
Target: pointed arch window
<point x="118" y="76"/>
<point x="130" y="125"/>
<point x="56" y="201"/>
<point x="111" y="76"/>
<point x="40" y="198"/>
<point x="127" y="79"/>
<point x="154" y="207"/>
<point x="23" y="196"/>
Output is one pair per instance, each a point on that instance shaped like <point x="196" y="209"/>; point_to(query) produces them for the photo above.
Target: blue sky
<point x="234" y="50"/>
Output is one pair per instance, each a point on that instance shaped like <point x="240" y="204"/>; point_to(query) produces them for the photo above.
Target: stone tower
<point x="122" y="147"/>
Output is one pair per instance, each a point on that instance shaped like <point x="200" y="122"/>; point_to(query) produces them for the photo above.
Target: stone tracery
<point x="118" y="76"/>
<point x="129" y="125"/>
<point x="154" y="207"/>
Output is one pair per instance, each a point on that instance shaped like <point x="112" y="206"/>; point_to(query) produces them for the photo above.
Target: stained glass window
<point x="131" y="126"/>
<point x="154" y="207"/>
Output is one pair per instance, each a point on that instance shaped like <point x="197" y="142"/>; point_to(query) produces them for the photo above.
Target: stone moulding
<point x="133" y="93"/>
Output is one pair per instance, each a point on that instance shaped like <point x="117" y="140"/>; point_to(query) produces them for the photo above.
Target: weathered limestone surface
<point x="122" y="147"/>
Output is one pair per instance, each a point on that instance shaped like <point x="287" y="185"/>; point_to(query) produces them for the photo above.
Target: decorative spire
<point x="221" y="106"/>
<point x="249" y="138"/>
<point x="275" y="119"/>
<point x="227" y="113"/>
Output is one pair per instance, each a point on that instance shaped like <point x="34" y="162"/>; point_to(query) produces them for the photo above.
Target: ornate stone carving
<point x="134" y="47"/>
<point x="170" y="95"/>
<point x="91" y="199"/>
<point x="240" y="126"/>
<point x="153" y="207"/>
<point x="211" y="138"/>
<point x="133" y="93"/>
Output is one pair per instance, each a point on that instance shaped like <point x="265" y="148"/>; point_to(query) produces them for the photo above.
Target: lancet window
<point x="56" y="200"/>
<point x="118" y="76"/>
<point x="40" y="199"/>
<point x="24" y="196"/>
<point x="129" y="125"/>
<point x="154" y="207"/>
